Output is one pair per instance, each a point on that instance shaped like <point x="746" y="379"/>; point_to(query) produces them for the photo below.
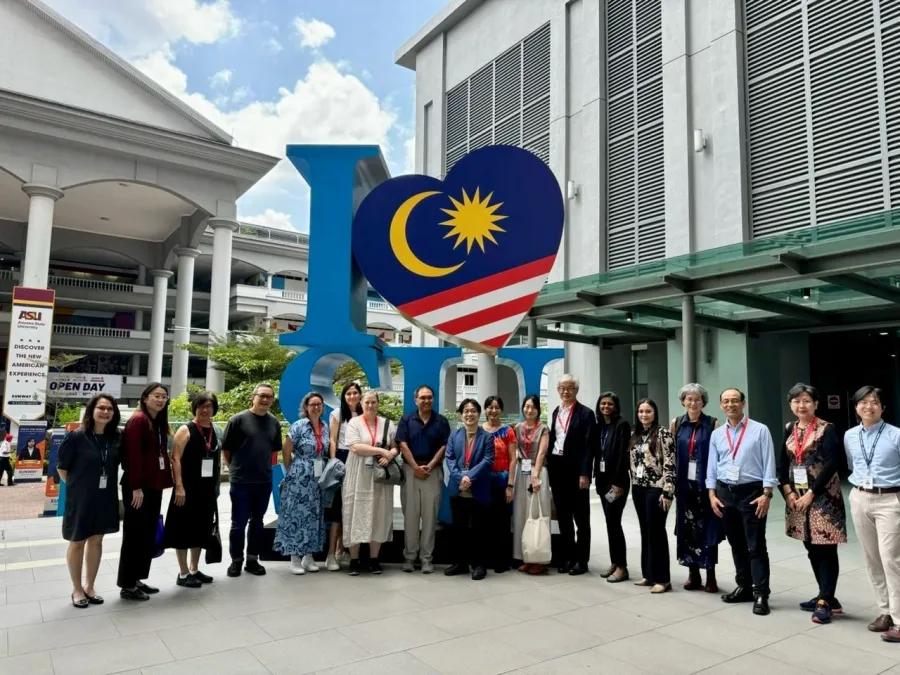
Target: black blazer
<point x="577" y="454"/>
<point x="615" y="452"/>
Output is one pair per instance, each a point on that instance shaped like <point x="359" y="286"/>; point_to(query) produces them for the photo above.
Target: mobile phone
<point x="610" y="496"/>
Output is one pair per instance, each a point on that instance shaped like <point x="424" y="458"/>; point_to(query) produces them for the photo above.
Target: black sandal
<point x="94" y="599"/>
<point x="79" y="604"/>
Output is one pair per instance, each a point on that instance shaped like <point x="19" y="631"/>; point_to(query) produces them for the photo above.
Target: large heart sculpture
<point x="465" y="257"/>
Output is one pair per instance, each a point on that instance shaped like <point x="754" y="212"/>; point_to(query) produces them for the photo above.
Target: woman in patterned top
<point x="808" y="477"/>
<point x="652" y="451"/>
<point x="503" y="472"/>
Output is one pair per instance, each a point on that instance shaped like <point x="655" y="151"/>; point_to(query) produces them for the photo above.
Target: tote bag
<point x="536" y="534"/>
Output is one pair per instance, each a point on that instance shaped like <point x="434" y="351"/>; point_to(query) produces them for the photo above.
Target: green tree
<point x="246" y="358"/>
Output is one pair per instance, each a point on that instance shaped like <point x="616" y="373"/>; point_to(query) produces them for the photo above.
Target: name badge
<point x="868" y="482"/>
<point x="602" y="466"/>
<point x="733" y="474"/>
<point x="639" y="471"/>
<point x="525" y="464"/>
<point x="801" y="481"/>
<point x="206" y="468"/>
<point x="318" y="467"/>
<point x="162" y="463"/>
<point x="692" y="470"/>
<point x="103" y="481"/>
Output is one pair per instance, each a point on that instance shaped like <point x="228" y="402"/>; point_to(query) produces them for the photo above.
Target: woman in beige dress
<point x="368" y="506"/>
<point x="531" y="474"/>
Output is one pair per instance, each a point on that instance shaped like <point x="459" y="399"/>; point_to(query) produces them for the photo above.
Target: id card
<point x="162" y="463"/>
<point x="692" y="470"/>
<point x="103" y="481"/>
<point x="639" y="471"/>
<point x="602" y="466"/>
<point x="733" y="474"/>
<point x="525" y="464"/>
<point x="868" y="482"/>
<point x="318" y="467"/>
<point x="206" y="468"/>
<point x="801" y="481"/>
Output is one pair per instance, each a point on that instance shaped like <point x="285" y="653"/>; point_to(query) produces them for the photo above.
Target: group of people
<point x="340" y="476"/>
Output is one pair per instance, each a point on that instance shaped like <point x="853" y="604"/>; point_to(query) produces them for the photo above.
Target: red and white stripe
<point x="485" y="311"/>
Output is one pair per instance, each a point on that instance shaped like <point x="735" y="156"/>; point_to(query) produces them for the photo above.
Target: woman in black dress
<point x="195" y="465"/>
<point x="612" y="480"/>
<point x="88" y="463"/>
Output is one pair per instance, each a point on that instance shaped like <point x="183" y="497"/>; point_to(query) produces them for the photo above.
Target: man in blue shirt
<point x="873" y="453"/>
<point x="422" y="437"/>
<point x="740" y="477"/>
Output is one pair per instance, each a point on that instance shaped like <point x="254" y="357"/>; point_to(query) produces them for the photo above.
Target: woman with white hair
<point x="698" y="531"/>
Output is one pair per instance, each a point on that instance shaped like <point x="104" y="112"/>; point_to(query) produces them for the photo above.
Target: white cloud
<point x="273" y="45"/>
<point x="270" y="218"/>
<point x="221" y="79"/>
<point x="313" y="32"/>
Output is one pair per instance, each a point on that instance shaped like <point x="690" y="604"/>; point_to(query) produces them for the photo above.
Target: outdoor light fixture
<point x="629" y="317"/>
<point x="572" y="189"/>
<point x="807" y="293"/>
<point x="699" y="140"/>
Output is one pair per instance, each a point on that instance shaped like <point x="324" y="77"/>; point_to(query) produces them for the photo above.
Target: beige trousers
<point x="420" y="500"/>
<point x="877" y="522"/>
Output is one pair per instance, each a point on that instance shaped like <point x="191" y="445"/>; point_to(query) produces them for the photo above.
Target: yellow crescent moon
<point x="400" y="244"/>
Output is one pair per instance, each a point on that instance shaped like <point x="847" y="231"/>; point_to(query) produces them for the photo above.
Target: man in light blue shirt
<point x="740" y="477"/>
<point x="873" y="453"/>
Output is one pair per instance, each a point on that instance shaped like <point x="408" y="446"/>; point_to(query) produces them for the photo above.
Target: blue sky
<point x="272" y="72"/>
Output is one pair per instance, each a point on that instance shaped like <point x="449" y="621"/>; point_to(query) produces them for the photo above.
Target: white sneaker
<point x="297" y="565"/>
<point x="309" y="564"/>
<point x="331" y="564"/>
<point x="343" y="558"/>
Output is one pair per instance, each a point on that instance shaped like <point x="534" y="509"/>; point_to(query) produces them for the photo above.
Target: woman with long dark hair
<point x="652" y="452"/>
<point x="88" y="463"/>
<point x="148" y="471"/>
<point x="351" y="395"/>
<point x="611" y="478"/>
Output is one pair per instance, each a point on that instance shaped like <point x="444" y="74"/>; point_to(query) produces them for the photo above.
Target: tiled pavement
<point x="402" y="623"/>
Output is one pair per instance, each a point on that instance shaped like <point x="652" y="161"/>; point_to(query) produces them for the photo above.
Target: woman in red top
<point x="148" y="471"/>
<point x="504" y="466"/>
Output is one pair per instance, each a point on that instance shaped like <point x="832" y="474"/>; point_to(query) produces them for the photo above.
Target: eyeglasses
<point x="160" y="397"/>
<point x="103" y="408"/>
<point x="265" y="396"/>
<point x="314" y="405"/>
<point x="562" y="388"/>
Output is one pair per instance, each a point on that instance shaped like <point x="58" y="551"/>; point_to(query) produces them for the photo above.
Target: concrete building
<point x="730" y="169"/>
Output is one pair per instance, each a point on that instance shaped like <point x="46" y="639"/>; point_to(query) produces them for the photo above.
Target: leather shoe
<point x="881" y="624"/>
<point x="607" y="572"/>
<point x="661" y="588"/>
<point x="578" y="568"/>
<point x="692" y="585"/>
<point x="455" y="569"/>
<point x="564" y="568"/>
<point x="761" y="606"/>
<point x="711" y="587"/>
<point x="478" y="573"/>
<point x="891" y="635"/>
<point x="149" y="590"/>
<point x="739" y="594"/>
<point x="617" y="578"/>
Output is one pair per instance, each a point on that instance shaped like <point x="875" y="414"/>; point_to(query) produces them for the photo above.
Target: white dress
<point x="368" y="506"/>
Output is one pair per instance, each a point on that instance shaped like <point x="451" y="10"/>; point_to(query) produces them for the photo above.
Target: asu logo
<point x="29" y="315"/>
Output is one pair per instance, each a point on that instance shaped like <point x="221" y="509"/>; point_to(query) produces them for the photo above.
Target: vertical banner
<point x="31" y="448"/>
<point x="51" y="489"/>
<point x="31" y="327"/>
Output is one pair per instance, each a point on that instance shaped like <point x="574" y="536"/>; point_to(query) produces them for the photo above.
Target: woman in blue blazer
<point x="470" y="454"/>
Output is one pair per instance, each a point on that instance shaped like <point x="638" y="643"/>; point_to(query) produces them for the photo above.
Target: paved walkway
<point x="402" y="623"/>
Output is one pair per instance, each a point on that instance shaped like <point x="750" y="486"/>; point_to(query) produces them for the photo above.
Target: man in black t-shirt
<point x="251" y="438"/>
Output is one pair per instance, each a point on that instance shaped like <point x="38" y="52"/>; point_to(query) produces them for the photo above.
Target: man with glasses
<point x="422" y="436"/>
<point x="569" y="466"/>
<point x="251" y="439"/>
<point x="740" y="478"/>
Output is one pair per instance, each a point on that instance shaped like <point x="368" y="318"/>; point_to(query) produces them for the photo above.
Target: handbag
<point x="392" y="474"/>
<point x="536" y="534"/>
<point x="214" y="543"/>
<point x="160" y="534"/>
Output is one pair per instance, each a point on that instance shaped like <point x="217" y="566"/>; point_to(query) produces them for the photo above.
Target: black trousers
<point x="825" y="565"/>
<point x="249" y="502"/>
<point x="6" y="467"/>
<point x="654" y="541"/>
<point x="746" y="535"/>
<point x="614" y="532"/>
<point x="572" y="511"/>
<point x="499" y="533"/>
<point x="138" y="537"/>
<point x="470" y="531"/>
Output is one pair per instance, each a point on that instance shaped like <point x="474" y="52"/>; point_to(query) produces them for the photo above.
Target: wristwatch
<point x="767" y="494"/>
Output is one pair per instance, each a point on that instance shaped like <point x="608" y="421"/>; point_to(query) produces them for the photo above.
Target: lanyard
<point x="734" y="448"/>
<point x="559" y="419"/>
<point x="104" y="452"/>
<point x="692" y="445"/>
<point x="207" y="438"/>
<point x="800" y="442"/>
<point x="318" y="436"/>
<point x="869" y="456"/>
<point x="373" y="431"/>
<point x="470" y="448"/>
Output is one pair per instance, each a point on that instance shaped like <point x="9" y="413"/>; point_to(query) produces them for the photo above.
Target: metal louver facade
<point x="823" y="101"/>
<point x="505" y="102"/>
<point x="635" y="158"/>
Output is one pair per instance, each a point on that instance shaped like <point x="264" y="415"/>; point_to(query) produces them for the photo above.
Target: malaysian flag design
<point x="466" y="257"/>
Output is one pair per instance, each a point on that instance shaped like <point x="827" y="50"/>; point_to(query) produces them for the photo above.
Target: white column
<point x="487" y="377"/>
<point x="139" y="314"/>
<point x="158" y="324"/>
<point x="182" y="334"/>
<point x="42" y="198"/>
<point x="220" y="292"/>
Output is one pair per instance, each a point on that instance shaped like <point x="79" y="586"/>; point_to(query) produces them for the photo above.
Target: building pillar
<point x="135" y="365"/>
<point x="42" y="199"/>
<point x="141" y="281"/>
<point x="532" y="333"/>
<point x="688" y="341"/>
<point x="182" y="332"/>
<point x="487" y="376"/>
<point x="219" y="293"/>
<point x="158" y="324"/>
